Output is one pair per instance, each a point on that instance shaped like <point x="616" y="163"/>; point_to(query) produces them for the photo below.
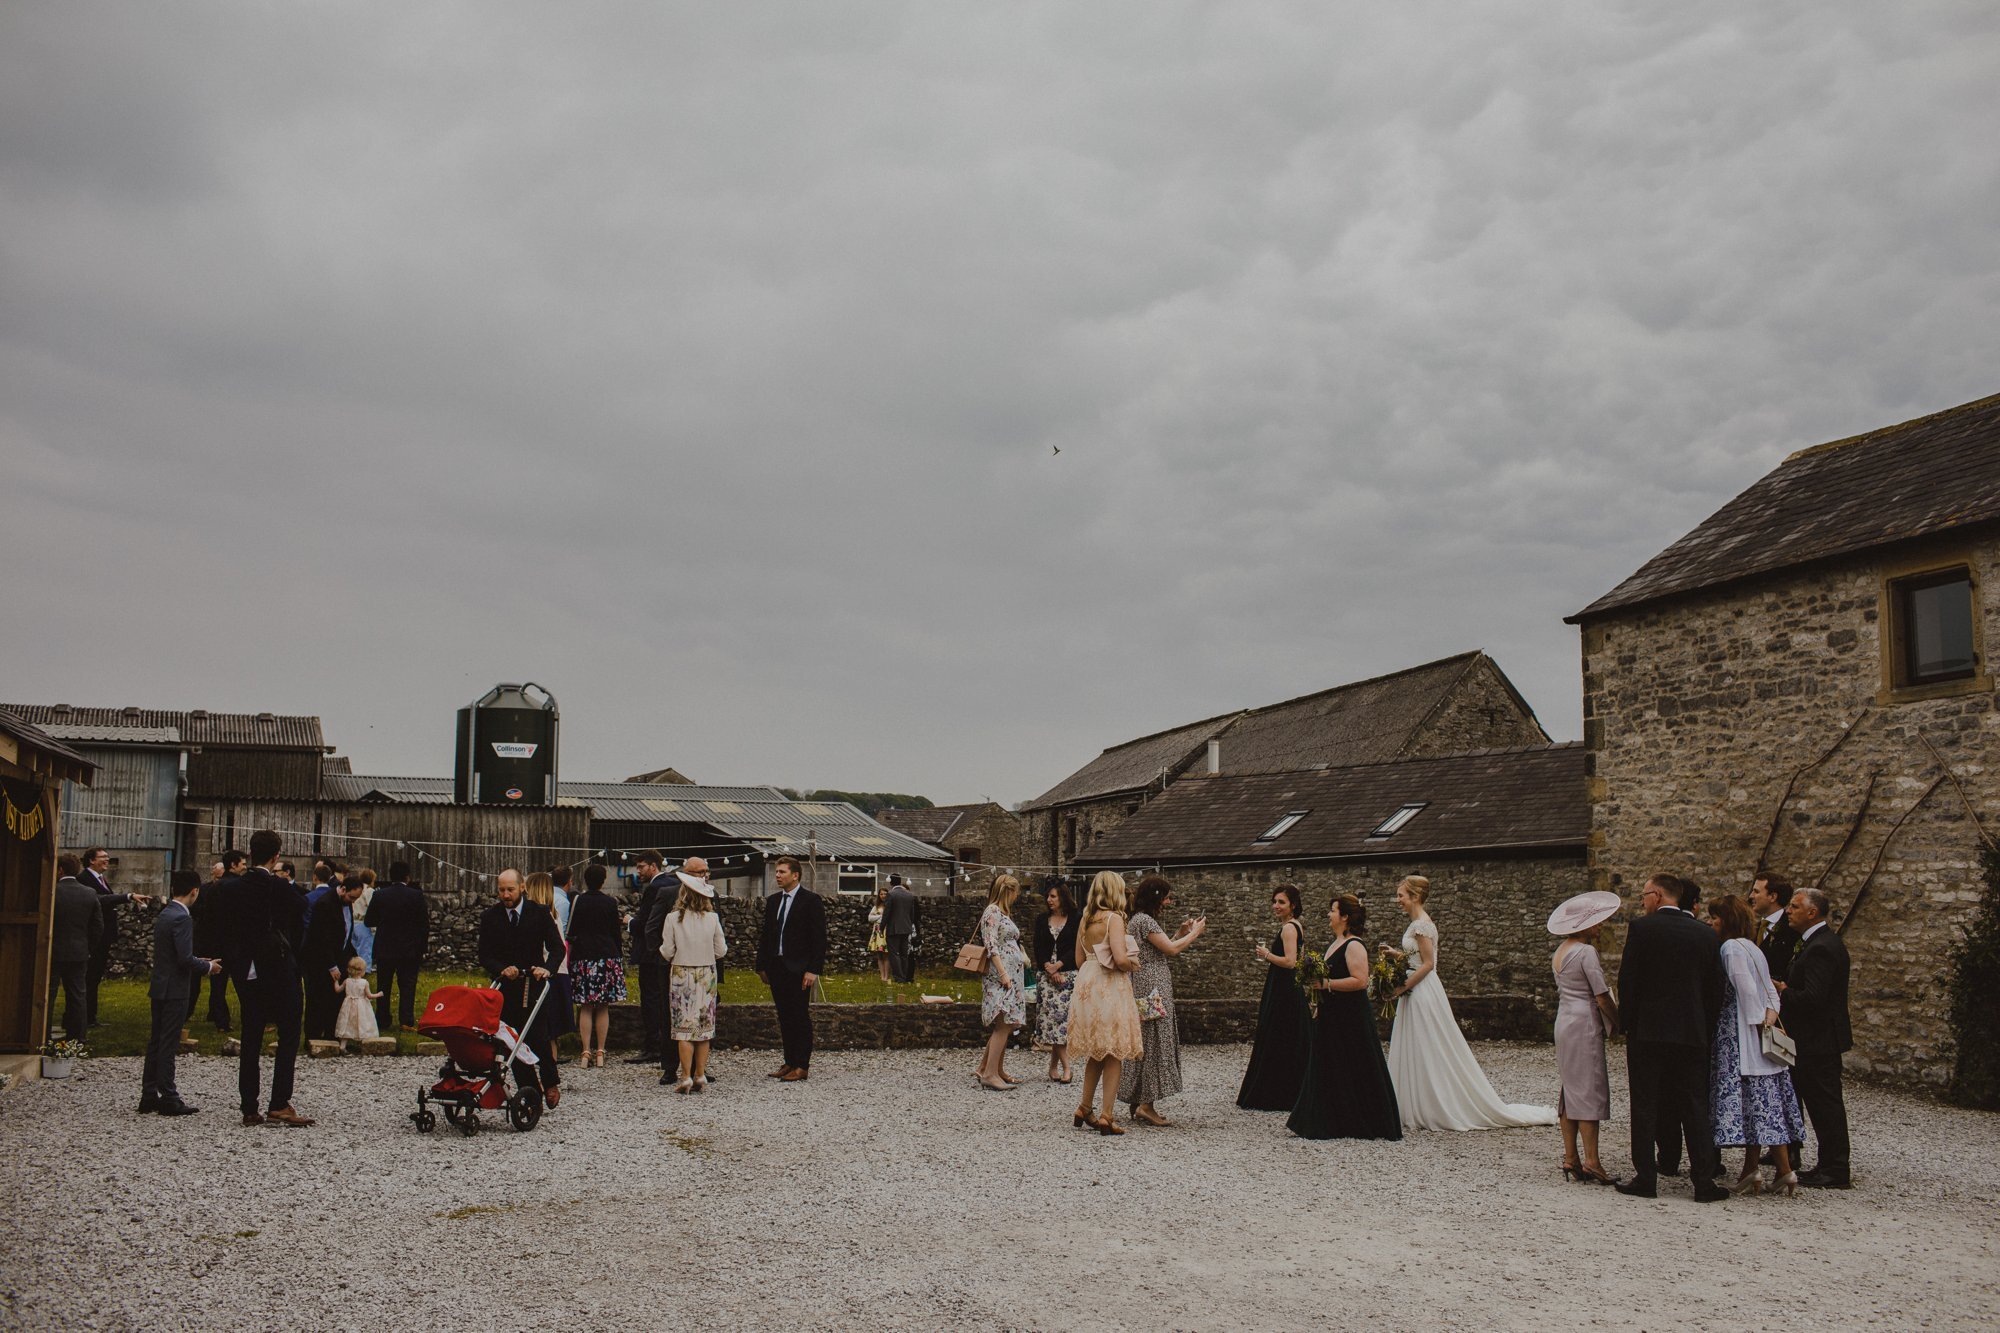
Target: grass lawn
<point x="126" y="1013"/>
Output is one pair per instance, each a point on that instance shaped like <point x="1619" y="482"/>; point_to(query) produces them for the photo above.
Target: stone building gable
<point x="1481" y="711"/>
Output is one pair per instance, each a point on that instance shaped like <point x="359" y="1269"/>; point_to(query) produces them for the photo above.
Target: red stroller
<point x="479" y="1075"/>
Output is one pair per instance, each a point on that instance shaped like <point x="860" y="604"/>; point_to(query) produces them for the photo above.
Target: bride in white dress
<point x="1438" y="1083"/>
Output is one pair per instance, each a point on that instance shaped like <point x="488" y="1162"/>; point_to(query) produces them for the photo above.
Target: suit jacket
<point x="263" y="926"/>
<point x="79" y="921"/>
<point x="107" y="902"/>
<point x="533" y="941"/>
<point x="899" y="917"/>
<point x="1778" y="944"/>
<point x="207" y="921"/>
<point x="805" y="935"/>
<point x="1670" y="980"/>
<point x="401" y="920"/>
<point x="328" y="941"/>
<point x="641" y="952"/>
<point x="1814" y="1007"/>
<point x="175" y="965"/>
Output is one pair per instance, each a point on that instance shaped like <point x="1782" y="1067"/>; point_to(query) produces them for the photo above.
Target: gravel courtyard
<point x="889" y="1191"/>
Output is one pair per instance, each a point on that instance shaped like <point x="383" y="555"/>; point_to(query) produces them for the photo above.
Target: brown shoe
<point x="779" y="1072"/>
<point x="252" y="1118"/>
<point x="285" y="1115"/>
<point x="793" y="1076"/>
<point x="552" y="1096"/>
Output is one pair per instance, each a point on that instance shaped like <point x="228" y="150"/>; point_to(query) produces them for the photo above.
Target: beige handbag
<point x="971" y="957"/>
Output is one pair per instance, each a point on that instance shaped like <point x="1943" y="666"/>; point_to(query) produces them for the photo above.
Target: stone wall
<point x="1698" y="712"/>
<point x="1480" y="713"/>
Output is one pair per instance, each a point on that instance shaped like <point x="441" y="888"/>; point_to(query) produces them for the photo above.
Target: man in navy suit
<point x="329" y="943"/>
<point x="262" y="933"/>
<point x="1669" y="996"/>
<point x="519" y="943"/>
<point x="791" y="953"/>
<point x="96" y="866"/>
<point x="175" y="970"/>
<point x="401" y="920"/>
<point x="1815" y="1014"/>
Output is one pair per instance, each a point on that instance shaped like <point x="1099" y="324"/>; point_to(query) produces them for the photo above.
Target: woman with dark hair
<point x="1157" y="1071"/>
<point x="1278" y="1059"/>
<point x="878" y="935"/>
<point x="1752" y="1104"/>
<point x="1346" y="1093"/>
<point x="1055" y="964"/>
<point x="596" y="963"/>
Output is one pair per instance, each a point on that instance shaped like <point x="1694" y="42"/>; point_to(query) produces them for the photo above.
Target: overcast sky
<point x="708" y="363"/>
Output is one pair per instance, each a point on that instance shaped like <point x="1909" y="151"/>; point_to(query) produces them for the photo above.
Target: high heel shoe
<point x="1105" y="1125"/>
<point x="1589" y="1176"/>
<point x="1082" y="1118"/>
<point x="1751" y="1184"/>
<point x="1571" y="1171"/>
<point x="1786" y="1184"/>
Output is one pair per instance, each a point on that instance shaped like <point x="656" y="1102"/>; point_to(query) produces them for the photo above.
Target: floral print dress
<point x="999" y="1002"/>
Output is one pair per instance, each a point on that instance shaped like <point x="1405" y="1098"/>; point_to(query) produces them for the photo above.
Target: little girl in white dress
<point x="357" y="1013"/>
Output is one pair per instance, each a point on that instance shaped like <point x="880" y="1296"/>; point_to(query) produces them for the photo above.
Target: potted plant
<point x="59" y="1057"/>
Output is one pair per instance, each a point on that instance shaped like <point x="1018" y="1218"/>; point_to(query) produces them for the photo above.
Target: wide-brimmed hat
<point x="1583" y="911"/>
<point x="699" y="886"/>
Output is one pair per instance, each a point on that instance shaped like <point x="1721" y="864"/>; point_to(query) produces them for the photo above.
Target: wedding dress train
<point x="1439" y="1085"/>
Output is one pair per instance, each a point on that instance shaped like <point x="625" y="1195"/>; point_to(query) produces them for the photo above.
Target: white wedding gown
<point x="1438" y="1083"/>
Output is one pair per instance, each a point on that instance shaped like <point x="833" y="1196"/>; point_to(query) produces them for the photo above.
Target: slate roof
<point x="1481" y="802"/>
<point x="602" y="795"/>
<point x="1365" y="721"/>
<point x="1929" y="475"/>
<point x="933" y="825"/>
<point x="197" y="726"/>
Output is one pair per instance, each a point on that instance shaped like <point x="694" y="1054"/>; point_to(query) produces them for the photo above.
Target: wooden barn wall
<point x="276" y="775"/>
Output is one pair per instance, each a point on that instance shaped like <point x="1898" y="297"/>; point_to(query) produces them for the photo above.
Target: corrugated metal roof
<point x="197" y="726"/>
<point x="116" y="735"/>
<point x="669" y="791"/>
<point x="1930" y="475"/>
<point x="33" y="736"/>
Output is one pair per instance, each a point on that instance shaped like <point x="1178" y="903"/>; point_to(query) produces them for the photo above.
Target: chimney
<point x="1214" y="758"/>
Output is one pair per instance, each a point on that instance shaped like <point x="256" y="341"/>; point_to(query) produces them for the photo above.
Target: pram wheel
<point x="524" y="1109"/>
<point x="468" y="1124"/>
<point x="426" y="1121"/>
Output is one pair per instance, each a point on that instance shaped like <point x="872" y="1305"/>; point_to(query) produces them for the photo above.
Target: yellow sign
<point x="25" y="824"/>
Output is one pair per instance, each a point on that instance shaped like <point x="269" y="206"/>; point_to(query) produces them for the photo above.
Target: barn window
<point x="1393" y="825"/>
<point x="857" y="879"/>
<point x="1277" y="830"/>
<point x="1933" y="627"/>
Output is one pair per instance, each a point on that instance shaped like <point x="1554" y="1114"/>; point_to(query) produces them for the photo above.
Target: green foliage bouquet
<point x="1385" y="978"/>
<point x="1309" y="973"/>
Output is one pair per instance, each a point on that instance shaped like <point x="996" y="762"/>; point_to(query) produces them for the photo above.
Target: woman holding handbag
<point x="1751" y="1100"/>
<point x="1157" y="1071"/>
<point x="1003" y="986"/>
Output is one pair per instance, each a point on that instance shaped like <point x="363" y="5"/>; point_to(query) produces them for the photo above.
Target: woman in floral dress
<point x="1751" y="1100"/>
<point x="1055" y="967"/>
<point x="1003" y="988"/>
<point x="1157" y="1071"/>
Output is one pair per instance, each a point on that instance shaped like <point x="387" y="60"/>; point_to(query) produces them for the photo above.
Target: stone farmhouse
<point x="1801" y="683"/>
<point x="984" y="838"/>
<point x="1449" y="706"/>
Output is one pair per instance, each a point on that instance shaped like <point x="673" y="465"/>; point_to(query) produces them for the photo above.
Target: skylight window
<point x="1272" y="833"/>
<point x="1394" y="823"/>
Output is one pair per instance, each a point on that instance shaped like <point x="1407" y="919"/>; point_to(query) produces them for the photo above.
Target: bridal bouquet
<point x="1310" y="971"/>
<point x="1384" y="979"/>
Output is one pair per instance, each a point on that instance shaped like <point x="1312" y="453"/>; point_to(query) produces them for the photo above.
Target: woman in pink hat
<point x="1585" y="1015"/>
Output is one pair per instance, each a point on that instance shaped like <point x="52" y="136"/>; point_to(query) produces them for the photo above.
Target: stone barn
<point x="1801" y="684"/>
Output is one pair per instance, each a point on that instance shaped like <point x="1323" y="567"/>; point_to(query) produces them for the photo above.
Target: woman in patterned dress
<point x="1103" y="1020"/>
<point x="878" y="937"/>
<point x="691" y="943"/>
<point x="1752" y="1104"/>
<point x="1055" y="960"/>
<point x="1157" y="1071"/>
<point x="1003" y="988"/>
<point x="597" y="963"/>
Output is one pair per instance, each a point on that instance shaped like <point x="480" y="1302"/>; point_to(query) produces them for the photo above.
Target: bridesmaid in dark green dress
<point x="1347" y="1092"/>
<point x="1278" y="1059"/>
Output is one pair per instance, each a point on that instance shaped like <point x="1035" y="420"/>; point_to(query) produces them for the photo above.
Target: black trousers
<point x="163" y="1044"/>
<point x="218" y="999"/>
<point x="902" y="967"/>
<point x="515" y="998"/>
<point x="322" y="1004"/>
<point x="271" y="1001"/>
<point x="397" y="977"/>
<point x="1816" y="1078"/>
<point x="94" y="977"/>
<point x="1673" y="1078"/>
<point x="1667" y="1138"/>
<point x="71" y="979"/>
<point x="653" y="1004"/>
<point x="795" y="1024"/>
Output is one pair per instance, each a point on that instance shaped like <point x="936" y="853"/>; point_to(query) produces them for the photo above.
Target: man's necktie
<point x="513" y="916"/>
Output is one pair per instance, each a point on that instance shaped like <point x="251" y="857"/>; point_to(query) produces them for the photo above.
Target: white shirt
<point x="1771" y="921"/>
<point x="1810" y="930"/>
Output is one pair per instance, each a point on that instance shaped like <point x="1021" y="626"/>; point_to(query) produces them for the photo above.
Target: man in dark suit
<point x="1769" y="896"/>
<point x="329" y="943"/>
<point x="175" y="969"/>
<point x="96" y="866"/>
<point x="263" y="930"/>
<point x="208" y="939"/>
<point x="401" y="920"/>
<point x="646" y="958"/>
<point x="78" y="923"/>
<point x="899" y="923"/>
<point x="1814" y="1010"/>
<point x="519" y="942"/>
<point x="791" y="953"/>
<point x="1669" y="996"/>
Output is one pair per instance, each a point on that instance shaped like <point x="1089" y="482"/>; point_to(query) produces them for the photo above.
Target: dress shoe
<point x="285" y="1115"/>
<point x="552" y="1098"/>
<point x="1636" y="1190"/>
<point x="148" y="1104"/>
<point x="1667" y="1170"/>
<point x="177" y="1108"/>
<point x="779" y="1072"/>
<point x="1825" y="1180"/>
<point x="1710" y="1194"/>
<point x="643" y="1058"/>
<point x="668" y="1076"/>
<point x="792" y="1076"/>
<point x="252" y="1118"/>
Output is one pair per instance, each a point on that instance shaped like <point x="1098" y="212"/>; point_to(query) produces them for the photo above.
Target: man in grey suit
<point x="79" y="922"/>
<point x="175" y="969"/>
<point x="899" y="923"/>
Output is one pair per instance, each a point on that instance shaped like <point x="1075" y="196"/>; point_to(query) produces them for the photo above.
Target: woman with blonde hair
<point x="1003" y="987"/>
<point x="1103" y="1016"/>
<point x="690" y="943"/>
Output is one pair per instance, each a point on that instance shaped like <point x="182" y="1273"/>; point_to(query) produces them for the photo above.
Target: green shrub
<point x="1974" y="980"/>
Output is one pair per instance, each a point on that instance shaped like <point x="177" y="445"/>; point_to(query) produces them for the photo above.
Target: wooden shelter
<point x="33" y="768"/>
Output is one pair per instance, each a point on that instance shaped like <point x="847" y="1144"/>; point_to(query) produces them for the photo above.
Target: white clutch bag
<point x="1778" y="1045"/>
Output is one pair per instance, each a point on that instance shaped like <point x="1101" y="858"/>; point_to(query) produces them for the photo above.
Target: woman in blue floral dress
<point x="1003" y="988"/>
<point x="1751" y="1099"/>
